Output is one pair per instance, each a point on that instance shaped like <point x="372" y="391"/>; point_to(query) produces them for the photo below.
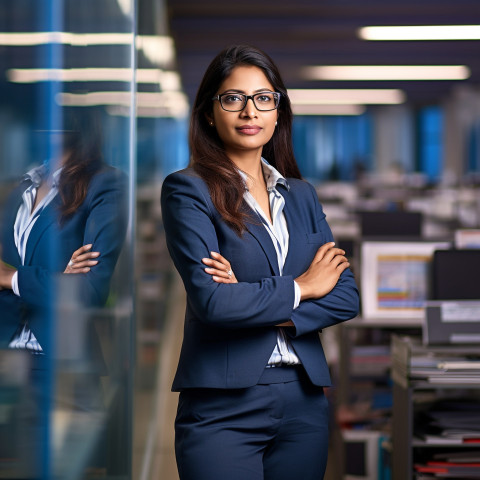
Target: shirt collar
<point x="272" y="176"/>
<point x="37" y="174"/>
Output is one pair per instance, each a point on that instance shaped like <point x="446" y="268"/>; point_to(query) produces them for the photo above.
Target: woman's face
<point x="249" y="129"/>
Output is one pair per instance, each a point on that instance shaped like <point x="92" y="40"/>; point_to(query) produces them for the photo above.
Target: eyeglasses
<point x="236" y="102"/>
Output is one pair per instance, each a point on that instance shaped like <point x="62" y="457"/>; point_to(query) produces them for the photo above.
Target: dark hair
<point x="82" y="143"/>
<point x="209" y="159"/>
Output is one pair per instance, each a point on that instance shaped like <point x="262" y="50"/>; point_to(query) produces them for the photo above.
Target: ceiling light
<point x="143" y="99"/>
<point x="421" y="32"/>
<point x="346" y="96"/>
<point x="386" y="72"/>
<point x="161" y="99"/>
<point x="166" y="80"/>
<point x="18" y="39"/>
<point x="146" y="112"/>
<point x="94" y="98"/>
<point x="31" y="75"/>
<point x="328" y="109"/>
<point x="159" y="49"/>
<point x="125" y="6"/>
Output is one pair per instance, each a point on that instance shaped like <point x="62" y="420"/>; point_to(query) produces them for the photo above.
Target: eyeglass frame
<point x="277" y="95"/>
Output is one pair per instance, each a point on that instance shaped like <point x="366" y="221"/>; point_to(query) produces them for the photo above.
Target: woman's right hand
<point x="82" y="260"/>
<point x="219" y="268"/>
<point x="323" y="273"/>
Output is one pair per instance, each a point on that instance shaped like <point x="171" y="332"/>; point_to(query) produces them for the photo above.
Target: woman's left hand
<point x="219" y="268"/>
<point x="81" y="260"/>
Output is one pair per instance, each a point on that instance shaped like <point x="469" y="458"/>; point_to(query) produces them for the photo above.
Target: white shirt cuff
<point x="15" y="289"/>
<point x="298" y="294"/>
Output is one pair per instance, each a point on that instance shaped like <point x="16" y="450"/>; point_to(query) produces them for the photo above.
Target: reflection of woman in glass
<point x="60" y="206"/>
<point x="262" y="277"/>
<point x="75" y="200"/>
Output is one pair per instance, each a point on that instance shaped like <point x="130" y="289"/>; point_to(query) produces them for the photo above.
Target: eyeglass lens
<point x="235" y="102"/>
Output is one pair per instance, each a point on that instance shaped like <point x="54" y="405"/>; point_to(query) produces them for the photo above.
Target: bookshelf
<point x="385" y="257"/>
<point x="436" y="417"/>
<point x="364" y="392"/>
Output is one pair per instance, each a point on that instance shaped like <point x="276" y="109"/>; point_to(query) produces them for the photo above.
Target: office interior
<point x="394" y="154"/>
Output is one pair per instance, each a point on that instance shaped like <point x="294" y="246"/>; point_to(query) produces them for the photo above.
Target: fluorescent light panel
<point x="20" y="39"/>
<point x="420" y="32"/>
<point x="173" y="100"/>
<point x="145" y="112"/>
<point x="386" y="72"/>
<point x="328" y="109"/>
<point x="159" y="49"/>
<point x="346" y="96"/>
<point x="126" y="6"/>
<point x="168" y="80"/>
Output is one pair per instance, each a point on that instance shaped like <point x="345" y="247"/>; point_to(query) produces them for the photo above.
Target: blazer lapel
<point x="45" y="219"/>
<point x="10" y="253"/>
<point x="257" y="230"/>
<point x="295" y="229"/>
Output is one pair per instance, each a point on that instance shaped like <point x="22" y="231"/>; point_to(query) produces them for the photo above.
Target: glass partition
<point x="67" y="163"/>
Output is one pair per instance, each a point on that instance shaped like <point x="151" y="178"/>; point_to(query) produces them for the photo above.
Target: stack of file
<point x="457" y="371"/>
<point x="412" y="362"/>
<point x="441" y="385"/>
<point x="458" y="466"/>
<point x="450" y="422"/>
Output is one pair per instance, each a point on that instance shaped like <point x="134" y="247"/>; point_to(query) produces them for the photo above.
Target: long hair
<point x="82" y="145"/>
<point x="208" y="156"/>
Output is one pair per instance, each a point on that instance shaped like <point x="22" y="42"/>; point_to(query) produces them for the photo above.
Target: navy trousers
<point x="276" y="430"/>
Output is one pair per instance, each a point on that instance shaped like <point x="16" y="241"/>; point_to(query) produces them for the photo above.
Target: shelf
<point x="418" y="442"/>
<point x="410" y="357"/>
<point x="443" y="386"/>
<point x="416" y="366"/>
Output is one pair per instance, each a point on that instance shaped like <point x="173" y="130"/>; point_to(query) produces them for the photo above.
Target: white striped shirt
<point x="26" y="218"/>
<point x="283" y="352"/>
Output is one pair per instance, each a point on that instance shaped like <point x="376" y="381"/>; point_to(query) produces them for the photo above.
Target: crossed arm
<point x="318" y="280"/>
<point x="105" y="216"/>
<point x="81" y="262"/>
<point x="328" y="291"/>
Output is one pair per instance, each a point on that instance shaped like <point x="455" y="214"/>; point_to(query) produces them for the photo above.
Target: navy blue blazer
<point x="101" y="220"/>
<point x="230" y="330"/>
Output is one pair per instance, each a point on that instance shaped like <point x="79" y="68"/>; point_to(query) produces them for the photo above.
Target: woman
<point x="262" y="277"/>
<point x="75" y="201"/>
<point x="70" y="202"/>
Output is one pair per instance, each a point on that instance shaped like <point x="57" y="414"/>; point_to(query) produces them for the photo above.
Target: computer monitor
<point x="390" y="224"/>
<point x="367" y="457"/>
<point x="455" y="275"/>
